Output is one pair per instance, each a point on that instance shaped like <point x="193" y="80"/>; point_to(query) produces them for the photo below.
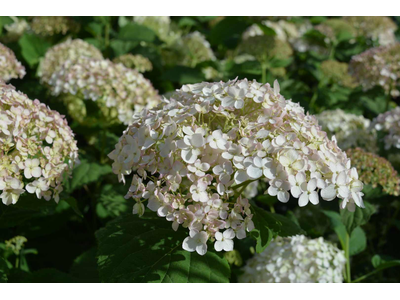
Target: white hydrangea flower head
<point x="296" y="259"/>
<point x="193" y="155"/>
<point x="350" y="130"/>
<point x="117" y="90"/>
<point x="378" y="66"/>
<point x="10" y="67"/>
<point x="389" y="123"/>
<point x="70" y="50"/>
<point x="377" y="28"/>
<point x="37" y="147"/>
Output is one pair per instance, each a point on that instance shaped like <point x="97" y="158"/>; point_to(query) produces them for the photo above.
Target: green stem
<point x="365" y="276"/>
<point x="17" y="262"/>
<point x="107" y="35"/>
<point x="264" y="73"/>
<point x="271" y="207"/>
<point x="389" y="97"/>
<point x="347" y="254"/>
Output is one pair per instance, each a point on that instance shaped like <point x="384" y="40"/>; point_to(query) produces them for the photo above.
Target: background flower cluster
<point x="295" y="110"/>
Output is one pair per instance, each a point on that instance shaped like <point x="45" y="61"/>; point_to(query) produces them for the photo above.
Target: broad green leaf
<point x="228" y="32"/>
<point x="87" y="173"/>
<point x="357" y="218"/>
<point x="337" y="225"/>
<point x="84" y="267"/>
<point x="137" y="33"/>
<point x="358" y="241"/>
<point x="33" y="48"/>
<point x="132" y="249"/>
<point x="268" y="225"/>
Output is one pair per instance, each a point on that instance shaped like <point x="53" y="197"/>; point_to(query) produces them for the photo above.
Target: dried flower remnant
<point x="192" y="157"/>
<point x="159" y="24"/>
<point x="37" y="148"/>
<point x="15" y="30"/>
<point x="70" y="50"/>
<point x="117" y="90"/>
<point x="265" y="47"/>
<point x="10" y="67"/>
<point x="296" y="259"/>
<point x="349" y="130"/>
<point x="332" y="28"/>
<point x="378" y="67"/>
<point x="337" y="72"/>
<point x="48" y="25"/>
<point x="189" y="50"/>
<point x="380" y="29"/>
<point x="375" y="170"/>
<point x="16" y="244"/>
<point x="138" y="62"/>
<point x="389" y="123"/>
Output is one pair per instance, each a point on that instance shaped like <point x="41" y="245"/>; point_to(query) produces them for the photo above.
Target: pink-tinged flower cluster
<point x="37" y="147"/>
<point x="193" y="156"/>
<point x="10" y="67"/>
<point x="112" y="86"/>
<point x="389" y="123"/>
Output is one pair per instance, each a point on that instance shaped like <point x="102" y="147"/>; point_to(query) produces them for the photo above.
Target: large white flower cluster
<point x="10" y="67"/>
<point x="37" y="147"/>
<point x="349" y="130"/>
<point x="389" y="123"/>
<point x="296" y="259"/>
<point x="193" y="156"/>
<point x="111" y="86"/>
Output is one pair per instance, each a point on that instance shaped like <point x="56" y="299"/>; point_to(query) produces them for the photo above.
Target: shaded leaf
<point x="357" y="218"/>
<point x="133" y="249"/>
<point x="32" y="48"/>
<point x="358" y="241"/>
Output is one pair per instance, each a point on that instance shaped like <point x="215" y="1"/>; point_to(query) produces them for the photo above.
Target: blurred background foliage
<point x="44" y="242"/>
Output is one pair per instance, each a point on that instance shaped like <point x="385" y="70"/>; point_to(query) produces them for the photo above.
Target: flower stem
<point x="264" y="73"/>
<point x="347" y="254"/>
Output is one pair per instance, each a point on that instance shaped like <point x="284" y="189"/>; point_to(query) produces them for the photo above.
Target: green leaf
<point x="228" y="32"/>
<point x="3" y="271"/>
<point x="87" y="173"/>
<point x="267" y="30"/>
<point x="4" y="21"/>
<point x="268" y="225"/>
<point x="183" y="75"/>
<point x="137" y="33"/>
<point x="84" y="267"/>
<point x="358" y="241"/>
<point x="32" y="48"/>
<point x="132" y="249"/>
<point x="122" y="47"/>
<point x="337" y="225"/>
<point x="357" y="218"/>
